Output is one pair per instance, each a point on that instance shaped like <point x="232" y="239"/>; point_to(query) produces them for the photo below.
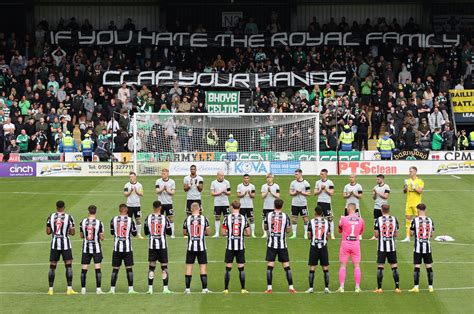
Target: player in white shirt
<point x="246" y="193"/>
<point x="133" y="191"/>
<point x="300" y="189"/>
<point x="193" y="186"/>
<point x="380" y="194"/>
<point x="324" y="189"/>
<point x="353" y="193"/>
<point x="220" y="190"/>
<point x="165" y="189"/>
<point x="270" y="192"/>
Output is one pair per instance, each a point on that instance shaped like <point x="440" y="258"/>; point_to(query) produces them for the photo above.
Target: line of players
<point x="236" y="225"/>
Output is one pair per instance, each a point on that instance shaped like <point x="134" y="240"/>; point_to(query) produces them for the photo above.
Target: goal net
<point x="178" y="137"/>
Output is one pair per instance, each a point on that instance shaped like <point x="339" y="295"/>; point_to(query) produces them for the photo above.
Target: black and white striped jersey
<point x="196" y="225"/>
<point x="60" y="224"/>
<point x="319" y="229"/>
<point x="277" y="224"/>
<point x="91" y="228"/>
<point x="423" y="228"/>
<point x="122" y="228"/>
<point x="235" y="224"/>
<point x="388" y="227"/>
<point x="156" y="227"/>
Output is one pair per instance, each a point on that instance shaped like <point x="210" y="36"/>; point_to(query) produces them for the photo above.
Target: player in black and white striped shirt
<point x="60" y="226"/>
<point x="386" y="230"/>
<point x="318" y="231"/>
<point x="92" y="231"/>
<point x="196" y="227"/>
<point x="235" y="227"/>
<point x="422" y="227"/>
<point x="278" y="224"/>
<point x="122" y="228"/>
<point x="157" y="226"/>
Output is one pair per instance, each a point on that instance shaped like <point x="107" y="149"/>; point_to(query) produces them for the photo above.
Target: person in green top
<point x="163" y="113"/>
<point x="264" y="139"/>
<point x="437" y="142"/>
<point x="23" y="141"/>
<point x="24" y="105"/>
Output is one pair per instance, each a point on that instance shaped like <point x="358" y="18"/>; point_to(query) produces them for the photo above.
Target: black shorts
<point x="167" y="209"/>
<point x="377" y="213"/>
<point x="160" y="255"/>
<point x="238" y="254"/>
<point x="87" y="257"/>
<point x="118" y="257"/>
<point x="299" y="210"/>
<point x="272" y="253"/>
<point x="200" y="255"/>
<point x="188" y="206"/>
<point x="320" y="255"/>
<point x="357" y="212"/>
<point x="221" y="210"/>
<point x="55" y="255"/>
<point x="327" y="209"/>
<point x="390" y="257"/>
<point x="247" y="212"/>
<point x="266" y="211"/>
<point x="419" y="258"/>
<point x="134" y="211"/>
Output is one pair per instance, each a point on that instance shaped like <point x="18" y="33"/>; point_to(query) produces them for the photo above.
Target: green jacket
<point x="22" y="141"/>
<point x="437" y="142"/>
<point x="24" y="106"/>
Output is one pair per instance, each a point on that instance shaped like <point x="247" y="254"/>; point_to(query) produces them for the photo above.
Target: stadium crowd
<point x="46" y="91"/>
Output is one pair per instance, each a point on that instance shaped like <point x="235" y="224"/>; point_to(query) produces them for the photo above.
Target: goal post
<point x="233" y="137"/>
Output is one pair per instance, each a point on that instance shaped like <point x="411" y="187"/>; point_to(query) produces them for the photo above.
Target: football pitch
<point x="24" y="253"/>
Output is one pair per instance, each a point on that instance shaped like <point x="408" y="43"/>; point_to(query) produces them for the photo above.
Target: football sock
<point x="98" y="278"/>
<point x="69" y="275"/>
<point x="130" y="277"/>
<point x="342" y="276"/>
<point x="204" y="281"/>
<point x="83" y="278"/>
<point x="407" y="227"/>
<point x="139" y="229"/>
<point x="252" y="228"/>
<point x="311" y="278"/>
<point x="217" y="224"/>
<point x="164" y="273"/>
<point x="294" y="227"/>
<point x="172" y="228"/>
<point x="306" y="228"/>
<point x="51" y="275"/>
<point x="396" y="277"/>
<point x="113" y="278"/>
<point x="430" y="276"/>
<point x="289" y="275"/>
<point x="357" y="276"/>
<point x="242" y="277"/>
<point x="417" y="276"/>
<point x="326" y="278"/>
<point x="151" y="275"/>
<point x="227" y="277"/>
<point x="187" y="280"/>
<point x="379" y="277"/>
<point x="269" y="275"/>
<point x="332" y="227"/>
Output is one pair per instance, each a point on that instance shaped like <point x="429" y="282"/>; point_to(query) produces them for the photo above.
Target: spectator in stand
<point x="23" y="141"/>
<point x="437" y="142"/>
<point x="409" y="138"/>
<point x="362" y="123"/>
<point x="346" y="138"/>
<point x="436" y="119"/>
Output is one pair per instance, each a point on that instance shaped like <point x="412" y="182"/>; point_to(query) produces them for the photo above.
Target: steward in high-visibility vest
<point x="385" y="145"/>
<point x="463" y="142"/>
<point x="212" y="139"/>
<point x="471" y="139"/>
<point x="68" y="144"/>
<point x="87" y="148"/>
<point x="346" y="138"/>
<point x="231" y="147"/>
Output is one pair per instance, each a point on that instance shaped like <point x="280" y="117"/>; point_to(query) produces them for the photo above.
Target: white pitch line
<point x="232" y="292"/>
<point x="459" y="178"/>
<point x="252" y="261"/>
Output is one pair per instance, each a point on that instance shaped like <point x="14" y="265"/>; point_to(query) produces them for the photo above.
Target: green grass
<point x="24" y="253"/>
